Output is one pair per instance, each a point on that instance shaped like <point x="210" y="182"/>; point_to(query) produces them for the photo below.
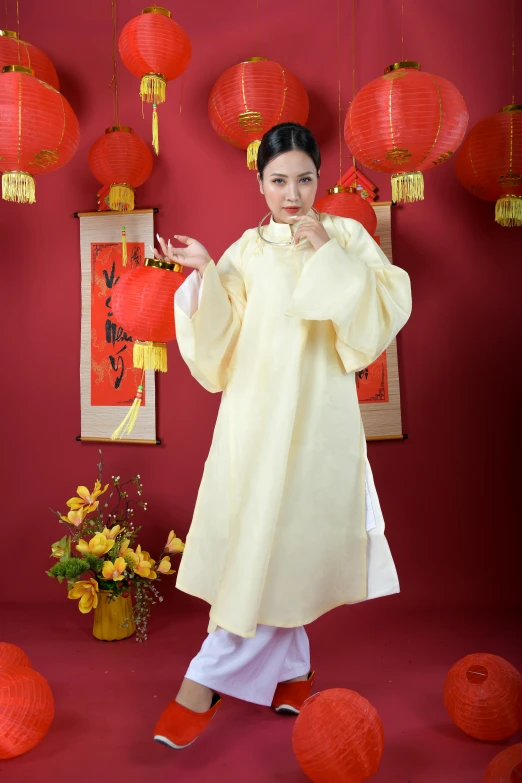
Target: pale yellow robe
<point x="279" y="534"/>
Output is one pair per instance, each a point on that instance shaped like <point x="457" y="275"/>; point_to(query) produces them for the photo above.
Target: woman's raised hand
<point x="195" y="255"/>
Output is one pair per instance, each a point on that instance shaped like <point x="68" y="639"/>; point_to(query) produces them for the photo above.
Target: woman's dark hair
<point x="283" y="138"/>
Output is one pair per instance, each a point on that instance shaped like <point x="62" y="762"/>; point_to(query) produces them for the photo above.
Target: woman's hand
<point x="194" y="255"/>
<point x="311" y="229"/>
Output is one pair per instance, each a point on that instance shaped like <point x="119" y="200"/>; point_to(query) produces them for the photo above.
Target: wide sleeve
<point x="351" y="282"/>
<point x="208" y="315"/>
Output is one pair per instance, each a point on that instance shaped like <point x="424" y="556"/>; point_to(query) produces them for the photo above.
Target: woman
<point x="287" y="523"/>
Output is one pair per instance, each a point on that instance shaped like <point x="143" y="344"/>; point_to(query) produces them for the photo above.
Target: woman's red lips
<point x="292" y="209"/>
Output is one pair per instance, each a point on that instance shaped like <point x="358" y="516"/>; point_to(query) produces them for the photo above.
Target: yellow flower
<point x="57" y="550"/>
<point x="112" y="533"/>
<point x="87" y="501"/>
<point x="164" y="566"/>
<point x="114" y="571"/>
<point x="75" y="517"/>
<point x="87" y="592"/>
<point x="125" y="549"/>
<point x="174" y="544"/>
<point x="98" y="545"/>
<point x="142" y="565"/>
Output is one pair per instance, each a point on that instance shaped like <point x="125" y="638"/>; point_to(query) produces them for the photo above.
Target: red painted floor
<point x="108" y="696"/>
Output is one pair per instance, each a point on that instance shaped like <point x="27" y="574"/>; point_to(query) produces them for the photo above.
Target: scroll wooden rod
<point x="85" y="439"/>
<point x="112" y="212"/>
<point x="404" y="436"/>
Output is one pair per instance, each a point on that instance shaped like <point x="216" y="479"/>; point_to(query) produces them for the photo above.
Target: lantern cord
<point x="6" y="25"/>
<point x="513" y="50"/>
<point x="353" y="81"/>
<point x="18" y="31"/>
<point x="258" y="53"/>
<point x="181" y="90"/>
<point x="402" y="29"/>
<point x="114" y="80"/>
<point x="339" y="85"/>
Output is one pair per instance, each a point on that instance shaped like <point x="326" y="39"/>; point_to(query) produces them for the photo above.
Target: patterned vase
<point x="113" y="620"/>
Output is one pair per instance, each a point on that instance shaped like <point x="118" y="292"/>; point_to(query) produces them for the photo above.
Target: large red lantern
<point x="250" y="98"/>
<point x="506" y="767"/>
<point x="156" y="49"/>
<point x="489" y="163"/>
<point x="26" y="710"/>
<point x="404" y="123"/>
<point x="13" y="50"/>
<point x="347" y="202"/>
<point x="39" y="131"/>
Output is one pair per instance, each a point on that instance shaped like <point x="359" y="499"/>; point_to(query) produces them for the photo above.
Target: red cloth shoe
<point x="178" y="727"/>
<point x="290" y="696"/>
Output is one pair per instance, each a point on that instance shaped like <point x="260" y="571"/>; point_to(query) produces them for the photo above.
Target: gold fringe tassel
<point x="155" y="129"/>
<point x="408" y="186"/>
<point x="252" y="151"/>
<point x="18" y="186"/>
<point x="153" y="88"/>
<point x="508" y="211"/>
<point x="129" y="421"/>
<point x="123" y="246"/>
<point x="150" y="356"/>
<point x="121" y="198"/>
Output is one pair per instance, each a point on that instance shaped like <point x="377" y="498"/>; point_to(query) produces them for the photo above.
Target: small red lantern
<point x="506" y="767"/>
<point x="404" y="123"/>
<point x="347" y="202"/>
<point x="26" y="710"/>
<point x="250" y="98"/>
<point x="13" y="50"/>
<point x="489" y="163"/>
<point x="156" y="49"/>
<point x="39" y="132"/>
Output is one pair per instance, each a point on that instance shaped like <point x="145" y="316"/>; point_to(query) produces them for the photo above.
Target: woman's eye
<point x="306" y="179"/>
<point x="277" y="181"/>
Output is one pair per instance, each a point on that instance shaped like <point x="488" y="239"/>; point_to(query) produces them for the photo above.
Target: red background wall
<point x="449" y="492"/>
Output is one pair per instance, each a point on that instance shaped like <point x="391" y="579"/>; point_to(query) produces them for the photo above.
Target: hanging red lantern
<point x="250" y="98"/>
<point x="404" y="123"/>
<point x="39" y="132"/>
<point x="506" y="767"/>
<point x="489" y="163"/>
<point x="347" y="202"/>
<point x="156" y="49"/>
<point x="13" y="50"/>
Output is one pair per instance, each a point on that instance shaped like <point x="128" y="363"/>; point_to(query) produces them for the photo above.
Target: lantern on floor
<point x="483" y="696"/>
<point x="404" y="123"/>
<point x="347" y="202"/>
<point x="11" y="655"/>
<point x="143" y="303"/>
<point x="250" y="98"/>
<point x="13" y="50"/>
<point x="26" y="710"/>
<point x="489" y="163"/>
<point x="506" y="767"/>
<point x="39" y="132"/>
<point x="156" y="49"/>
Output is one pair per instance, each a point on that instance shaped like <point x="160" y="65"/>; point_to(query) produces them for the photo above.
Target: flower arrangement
<point x="99" y="553"/>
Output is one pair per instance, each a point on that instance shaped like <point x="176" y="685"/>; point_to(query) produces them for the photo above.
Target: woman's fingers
<point x="183" y="239"/>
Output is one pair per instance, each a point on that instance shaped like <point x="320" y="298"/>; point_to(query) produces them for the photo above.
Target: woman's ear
<point x="260" y="183"/>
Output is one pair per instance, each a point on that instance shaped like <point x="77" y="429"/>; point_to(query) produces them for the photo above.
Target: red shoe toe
<point x="290" y="696"/>
<point x="178" y="727"/>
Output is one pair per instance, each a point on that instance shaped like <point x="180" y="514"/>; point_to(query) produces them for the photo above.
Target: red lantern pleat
<point x="39" y="132"/>
<point x="483" y="696"/>
<point x="250" y="98"/>
<point x="347" y="202"/>
<point x="26" y="710"/>
<point x="11" y="655"/>
<point x="338" y="738"/>
<point x="16" y="52"/>
<point x="404" y="123"/>
<point x="506" y="767"/>
<point x="489" y="163"/>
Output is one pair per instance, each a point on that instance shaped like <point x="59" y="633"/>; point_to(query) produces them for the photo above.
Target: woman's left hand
<point x="311" y="229"/>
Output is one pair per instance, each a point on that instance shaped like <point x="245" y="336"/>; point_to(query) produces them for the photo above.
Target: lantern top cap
<point x="512" y="107"/>
<point x="124" y="128"/>
<point x="157" y="263"/>
<point x="18" y="69"/>
<point x="9" y="34"/>
<point x="340" y="189"/>
<point x="403" y="64"/>
<point x="157" y="9"/>
<point x="255" y="60"/>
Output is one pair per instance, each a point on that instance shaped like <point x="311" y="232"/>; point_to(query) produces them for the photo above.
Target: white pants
<point x="250" y="669"/>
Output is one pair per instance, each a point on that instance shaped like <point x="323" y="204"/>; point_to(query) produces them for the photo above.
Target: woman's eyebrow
<point x="275" y="174"/>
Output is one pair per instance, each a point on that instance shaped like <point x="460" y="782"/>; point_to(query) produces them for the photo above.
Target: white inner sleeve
<point x="188" y="295"/>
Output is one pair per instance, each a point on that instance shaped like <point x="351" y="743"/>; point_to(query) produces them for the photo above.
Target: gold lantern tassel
<point x="508" y="210"/>
<point x="252" y="151"/>
<point x="153" y="88"/>
<point x="121" y="197"/>
<point x="408" y="186"/>
<point x="18" y="186"/>
<point x="129" y="421"/>
<point x="150" y="356"/>
<point x="123" y="246"/>
<point x="155" y="129"/>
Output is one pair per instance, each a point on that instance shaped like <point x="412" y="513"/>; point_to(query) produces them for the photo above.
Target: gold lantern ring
<point x="157" y="9"/>
<point x="403" y="64"/>
<point x="124" y="128"/>
<point x="511" y="107"/>
<point x="158" y="263"/>
<point x="341" y="189"/>
<point x="18" y="69"/>
<point x="9" y="34"/>
<point x="254" y="60"/>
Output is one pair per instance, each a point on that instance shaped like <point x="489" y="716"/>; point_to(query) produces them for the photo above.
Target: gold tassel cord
<point x="150" y="356"/>
<point x="155" y="129"/>
<point x="124" y="246"/>
<point x="508" y="211"/>
<point x="408" y="186"/>
<point x="153" y="88"/>
<point x="121" y="198"/>
<point x="252" y="150"/>
<point x="129" y="421"/>
<point x="18" y="186"/>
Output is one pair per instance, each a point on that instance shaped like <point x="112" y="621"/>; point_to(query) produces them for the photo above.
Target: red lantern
<point x="13" y="50"/>
<point x="26" y="710"/>
<point x="39" y="131"/>
<point x="11" y="655"/>
<point x="338" y="738"/>
<point x="250" y="98"/>
<point x="506" y="767"/>
<point x="483" y="696"/>
<point x="404" y="123"/>
<point x="489" y="163"/>
<point x="347" y="202"/>
<point x="156" y="49"/>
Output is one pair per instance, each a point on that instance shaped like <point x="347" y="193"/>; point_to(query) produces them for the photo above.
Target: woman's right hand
<point x="195" y="255"/>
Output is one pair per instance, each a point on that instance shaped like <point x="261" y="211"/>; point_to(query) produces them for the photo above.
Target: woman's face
<point x="289" y="185"/>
